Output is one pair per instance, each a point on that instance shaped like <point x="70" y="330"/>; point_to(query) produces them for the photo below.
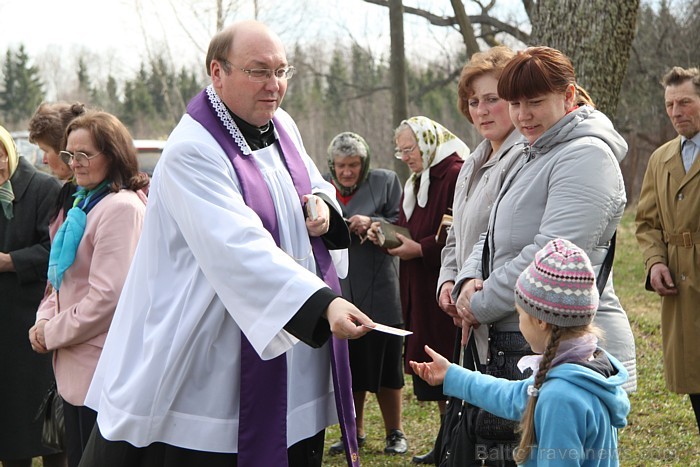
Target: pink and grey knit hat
<point x="559" y="286"/>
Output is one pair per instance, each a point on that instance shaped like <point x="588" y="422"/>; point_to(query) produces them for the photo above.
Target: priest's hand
<point x="318" y="218"/>
<point x="346" y="320"/>
<point x="433" y="372"/>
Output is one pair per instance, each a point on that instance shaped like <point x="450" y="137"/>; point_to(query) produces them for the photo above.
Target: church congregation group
<point x="223" y="313"/>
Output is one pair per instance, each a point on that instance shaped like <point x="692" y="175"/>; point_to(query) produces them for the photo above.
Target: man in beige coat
<point x="668" y="232"/>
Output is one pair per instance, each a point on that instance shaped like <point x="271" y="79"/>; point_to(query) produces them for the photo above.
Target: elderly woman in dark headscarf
<point x="372" y="284"/>
<point x="26" y="197"/>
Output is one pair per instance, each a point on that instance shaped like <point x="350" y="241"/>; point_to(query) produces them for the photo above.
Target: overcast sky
<point x="117" y="35"/>
<point x="116" y="27"/>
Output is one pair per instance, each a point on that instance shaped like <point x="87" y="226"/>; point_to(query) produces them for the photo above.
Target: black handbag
<point x="51" y="412"/>
<point x="505" y="351"/>
<point x="458" y="440"/>
<point x="471" y="435"/>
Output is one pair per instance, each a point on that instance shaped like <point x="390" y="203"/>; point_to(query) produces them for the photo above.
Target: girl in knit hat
<point x="572" y="406"/>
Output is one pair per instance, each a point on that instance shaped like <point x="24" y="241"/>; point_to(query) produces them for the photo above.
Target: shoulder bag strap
<point x="486" y="257"/>
<point x="607" y="265"/>
<point x="603" y="274"/>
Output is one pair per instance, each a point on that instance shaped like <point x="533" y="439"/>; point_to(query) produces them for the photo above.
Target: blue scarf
<point x="65" y="243"/>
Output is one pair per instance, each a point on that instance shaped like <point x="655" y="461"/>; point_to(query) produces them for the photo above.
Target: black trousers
<point x="79" y="423"/>
<point x="695" y="402"/>
<point x="103" y="453"/>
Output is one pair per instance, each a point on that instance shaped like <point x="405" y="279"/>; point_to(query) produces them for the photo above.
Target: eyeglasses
<point x="79" y="157"/>
<point x="259" y="75"/>
<point x="399" y="153"/>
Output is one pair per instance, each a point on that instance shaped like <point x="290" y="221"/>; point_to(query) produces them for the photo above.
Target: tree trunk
<point x="399" y="82"/>
<point x="220" y="16"/>
<point x="597" y="35"/>
<point x="465" y="27"/>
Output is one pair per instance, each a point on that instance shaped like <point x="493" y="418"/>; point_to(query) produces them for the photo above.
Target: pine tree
<point x="84" y="87"/>
<point x="22" y="89"/>
<point x="188" y="84"/>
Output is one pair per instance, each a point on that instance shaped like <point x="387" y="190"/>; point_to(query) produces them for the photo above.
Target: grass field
<point x="661" y="428"/>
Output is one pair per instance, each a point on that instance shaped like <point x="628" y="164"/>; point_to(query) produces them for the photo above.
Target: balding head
<point x="241" y="33"/>
<point x="236" y="52"/>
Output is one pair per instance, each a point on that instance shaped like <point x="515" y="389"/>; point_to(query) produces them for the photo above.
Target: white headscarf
<point x="435" y="143"/>
<point x="7" y="195"/>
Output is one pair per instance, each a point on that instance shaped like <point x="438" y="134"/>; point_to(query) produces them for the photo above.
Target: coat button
<point x="682" y="277"/>
<point x="680" y="196"/>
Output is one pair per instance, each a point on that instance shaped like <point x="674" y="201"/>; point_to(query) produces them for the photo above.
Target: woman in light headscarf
<point x="26" y="197"/>
<point x="435" y="156"/>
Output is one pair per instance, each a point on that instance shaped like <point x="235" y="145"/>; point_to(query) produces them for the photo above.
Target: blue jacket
<point x="579" y="410"/>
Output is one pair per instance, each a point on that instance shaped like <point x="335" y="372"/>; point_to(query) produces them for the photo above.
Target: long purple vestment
<point x="264" y="382"/>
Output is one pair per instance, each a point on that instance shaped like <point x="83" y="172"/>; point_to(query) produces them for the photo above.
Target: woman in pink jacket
<point x="88" y="263"/>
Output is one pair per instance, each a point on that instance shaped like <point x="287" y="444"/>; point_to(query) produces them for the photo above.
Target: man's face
<point x="683" y="108"/>
<point x="254" y="102"/>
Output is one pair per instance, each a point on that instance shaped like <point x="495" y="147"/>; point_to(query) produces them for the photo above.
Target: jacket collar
<point x="439" y="170"/>
<point x="674" y="164"/>
<point x="22" y="178"/>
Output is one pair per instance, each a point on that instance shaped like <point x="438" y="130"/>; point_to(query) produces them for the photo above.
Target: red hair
<point x="536" y="71"/>
<point x="490" y="62"/>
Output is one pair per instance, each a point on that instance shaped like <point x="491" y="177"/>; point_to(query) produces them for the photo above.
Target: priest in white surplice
<point x="203" y="364"/>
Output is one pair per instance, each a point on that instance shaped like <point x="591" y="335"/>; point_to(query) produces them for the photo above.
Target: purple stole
<point x="262" y="430"/>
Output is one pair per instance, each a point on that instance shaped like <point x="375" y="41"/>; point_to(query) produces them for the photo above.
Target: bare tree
<point x="399" y="83"/>
<point x="596" y="35"/>
<point x="489" y="24"/>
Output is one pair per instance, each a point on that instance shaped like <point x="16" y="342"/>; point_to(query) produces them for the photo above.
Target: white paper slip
<point x="311" y="208"/>
<point x="389" y="330"/>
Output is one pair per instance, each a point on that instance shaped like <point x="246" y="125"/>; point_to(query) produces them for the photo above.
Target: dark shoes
<point x="338" y="448"/>
<point x="396" y="443"/>
<point x="428" y="458"/>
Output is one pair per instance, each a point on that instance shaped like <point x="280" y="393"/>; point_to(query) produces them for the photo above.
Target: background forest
<point x="343" y="85"/>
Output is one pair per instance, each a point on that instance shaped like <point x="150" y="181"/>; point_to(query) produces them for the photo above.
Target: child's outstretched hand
<point x="432" y="372"/>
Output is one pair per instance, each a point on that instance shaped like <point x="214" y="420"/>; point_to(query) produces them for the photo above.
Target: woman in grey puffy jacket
<point x="568" y="185"/>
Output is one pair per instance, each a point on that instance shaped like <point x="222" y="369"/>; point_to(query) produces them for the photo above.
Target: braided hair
<point x="527" y="423"/>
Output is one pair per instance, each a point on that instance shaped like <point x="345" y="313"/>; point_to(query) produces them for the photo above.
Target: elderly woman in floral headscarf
<point x="26" y="198"/>
<point x="434" y="155"/>
<point x="372" y="284"/>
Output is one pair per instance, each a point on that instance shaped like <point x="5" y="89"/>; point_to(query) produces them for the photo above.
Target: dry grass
<point x="661" y="429"/>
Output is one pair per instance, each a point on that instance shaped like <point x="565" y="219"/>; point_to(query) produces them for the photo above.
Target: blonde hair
<point x="527" y="423"/>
